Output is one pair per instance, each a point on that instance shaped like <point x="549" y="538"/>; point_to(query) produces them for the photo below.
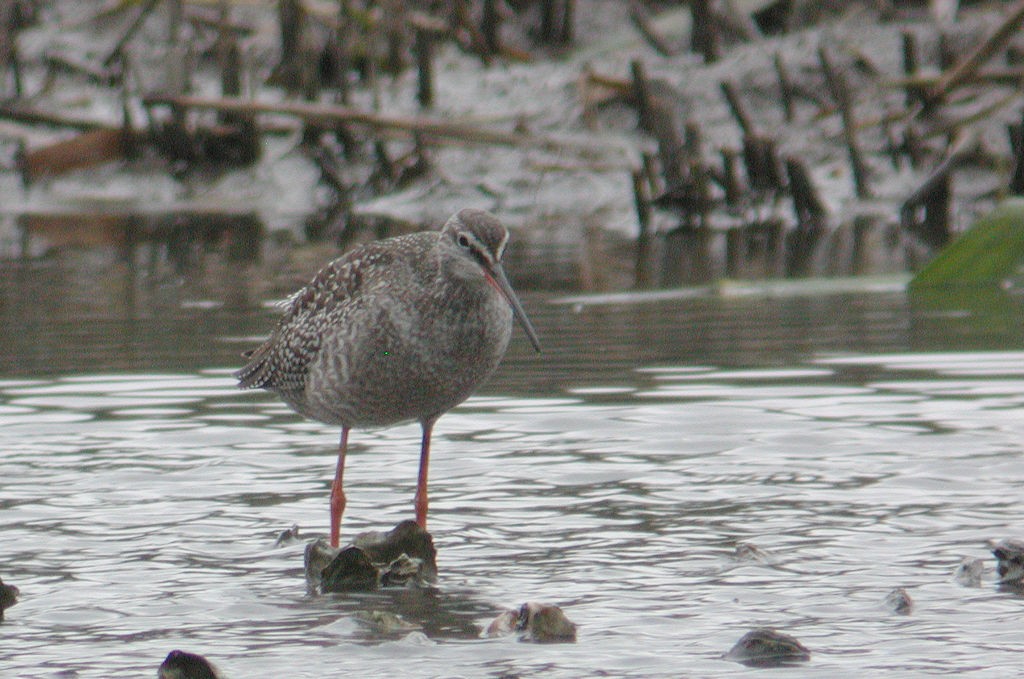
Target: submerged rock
<point x="385" y="622"/>
<point x="8" y="597"/>
<point x="542" y="623"/>
<point x="969" y="572"/>
<point x="748" y="551"/>
<point x="183" y="665"/>
<point x="1010" y="556"/>
<point x="899" y="601"/>
<point x="288" y="537"/>
<point x="402" y="556"/>
<point x="765" y="647"/>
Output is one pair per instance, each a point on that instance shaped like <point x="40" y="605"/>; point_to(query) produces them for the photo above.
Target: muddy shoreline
<point x="623" y="151"/>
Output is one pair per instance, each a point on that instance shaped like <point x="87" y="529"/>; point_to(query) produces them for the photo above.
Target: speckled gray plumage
<point x="400" y="329"/>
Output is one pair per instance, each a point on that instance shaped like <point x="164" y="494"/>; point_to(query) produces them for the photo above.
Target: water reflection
<point x="863" y="442"/>
<point x="142" y="240"/>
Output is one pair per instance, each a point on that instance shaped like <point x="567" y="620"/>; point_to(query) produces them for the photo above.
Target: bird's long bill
<point x="505" y="288"/>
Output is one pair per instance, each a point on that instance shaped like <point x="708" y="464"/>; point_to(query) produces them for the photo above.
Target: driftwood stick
<point x="115" y="53"/>
<point x="25" y="114"/>
<point x="66" y="63"/>
<point x="638" y="15"/>
<point x="962" y="149"/>
<point x="738" y="20"/>
<point x="785" y="88"/>
<point x="962" y="71"/>
<point x="329" y="170"/>
<point x="935" y="195"/>
<point x="952" y="125"/>
<point x="200" y="18"/>
<point x="331" y="115"/>
<point x="841" y="93"/>
<point x="605" y="87"/>
<point x="990" y="76"/>
<point x="739" y="112"/>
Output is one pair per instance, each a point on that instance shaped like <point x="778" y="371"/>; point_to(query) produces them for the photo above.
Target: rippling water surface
<point x="864" y="442"/>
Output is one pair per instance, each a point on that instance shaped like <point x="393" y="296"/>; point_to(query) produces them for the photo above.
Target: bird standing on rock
<point x="396" y="330"/>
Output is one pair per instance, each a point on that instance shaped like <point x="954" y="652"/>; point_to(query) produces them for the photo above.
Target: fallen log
<point x="87" y="149"/>
<point x="24" y="114"/>
<point x="325" y="114"/>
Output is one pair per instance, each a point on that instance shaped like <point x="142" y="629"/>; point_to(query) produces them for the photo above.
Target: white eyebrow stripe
<point x="501" y="248"/>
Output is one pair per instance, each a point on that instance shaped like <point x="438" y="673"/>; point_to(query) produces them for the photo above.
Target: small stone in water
<point x="1010" y="555"/>
<point x="542" y="623"/>
<point x="969" y="572"/>
<point x="385" y="622"/>
<point x="288" y="537"/>
<point x="182" y="665"/>
<point x="8" y="597"/>
<point x="748" y="551"/>
<point x="765" y="647"/>
<point x="899" y="601"/>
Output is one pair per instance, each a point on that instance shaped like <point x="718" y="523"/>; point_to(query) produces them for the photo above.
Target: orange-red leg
<point x="337" y="491"/>
<point x="421" y="485"/>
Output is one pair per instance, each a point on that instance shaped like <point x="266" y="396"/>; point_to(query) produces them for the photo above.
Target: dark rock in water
<point x="542" y="623"/>
<point x="402" y="556"/>
<point x="969" y="572"/>
<point x="8" y="597"/>
<point x="288" y="537"/>
<point x="765" y="647"/>
<point x="899" y="601"/>
<point x="182" y="665"/>
<point x="408" y="539"/>
<point x="1010" y="555"/>
<point x="349" y="571"/>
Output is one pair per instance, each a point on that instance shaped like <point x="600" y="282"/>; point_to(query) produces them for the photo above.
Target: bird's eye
<point x="463" y="241"/>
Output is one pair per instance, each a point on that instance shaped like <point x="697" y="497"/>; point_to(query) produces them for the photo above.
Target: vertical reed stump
<point x="704" y="31"/>
<point x="1016" y="133"/>
<point x="424" y="67"/>
<point x="810" y="219"/>
<point x="641" y="197"/>
<point x="844" y="101"/>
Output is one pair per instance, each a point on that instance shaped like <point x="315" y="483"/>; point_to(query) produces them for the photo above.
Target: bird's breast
<point x="409" y="356"/>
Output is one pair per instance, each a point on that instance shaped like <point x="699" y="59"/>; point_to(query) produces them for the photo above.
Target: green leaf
<point x="989" y="253"/>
